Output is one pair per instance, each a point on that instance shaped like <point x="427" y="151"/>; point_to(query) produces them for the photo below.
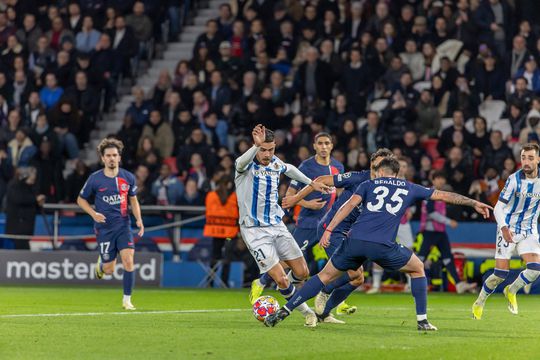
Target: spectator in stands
<point x="490" y="80"/>
<point x="531" y="131"/>
<point x="140" y="23"/>
<point x="75" y="19"/>
<point x="355" y="82"/>
<point x="129" y="134"/>
<point x="183" y="126"/>
<point x="197" y="172"/>
<point x="479" y="140"/>
<point x="50" y="94"/>
<point x="7" y="133"/>
<point x="531" y="72"/>
<point x="517" y="57"/>
<point x="218" y="92"/>
<point x="140" y="108"/>
<point x="160" y="132"/>
<point x="6" y="30"/>
<point x="22" y="88"/>
<point x="493" y="19"/>
<point x="30" y="33"/>
<point x="458" y="171"/>
<point x="160" y="90"/>
<point x="144" y="186"/>
<point x="191" y="196"/>
<point x="458" y="124"/>
<point x="372" y="134"/>
<point x="22" y="205"/>
<point x="463" y="98"/>
<point x="58" y="34"/>
<point x="411" y="148"/>
<point x="495" y="152"/>
<point x="428" y="117"/>
<point x="102" y="61"/>
<point x="167" y="189"/>
<point x="42" y="57"/>
<point x="521" y="96"/>
<point x="75" y="181"/>
<point x="413" y="59"/>
<point x="215" y="130"/>
<point x="87" y="38"/>
<point x="124" y="46"/>
<point x="225" y="21"/>
<point x="517" y="121"/>
<point x="21" y="149"/>
<point x="314" y="79"/>
<point x="42" y="131"/>
<point x="50" y="181"/>
<point x="66" y="122"/>
<point x="211" y="39"/>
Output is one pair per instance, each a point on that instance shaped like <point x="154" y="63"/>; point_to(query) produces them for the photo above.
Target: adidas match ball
<point x="264" y="306"/>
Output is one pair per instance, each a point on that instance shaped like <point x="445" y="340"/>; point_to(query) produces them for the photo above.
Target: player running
<point x="516" y="214"/>
<point x="372" y="237"/>
<point x="257" y="181"/>
<point x="335" y="293"/>
<point x="111" y="188"/>
<point x="313" y="207"/>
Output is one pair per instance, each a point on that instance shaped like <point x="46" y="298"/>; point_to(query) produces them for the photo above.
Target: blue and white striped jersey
<point x="257" y="190"/>
<point x="521" y="197"/>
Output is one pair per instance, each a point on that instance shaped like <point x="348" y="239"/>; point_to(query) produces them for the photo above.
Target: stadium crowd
<point x="414" y="76"/>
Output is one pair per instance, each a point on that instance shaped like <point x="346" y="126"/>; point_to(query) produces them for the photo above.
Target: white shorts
<point x="523" y="244"/>
<point x="405" y="236"/>
<point x="270" y="244"/>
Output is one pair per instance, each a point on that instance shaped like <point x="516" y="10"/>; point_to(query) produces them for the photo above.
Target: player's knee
<point x="127" y="262"/>
<point x="108" y="268"/>
<point x="301" y="273"/>
<point x="282" y="281"/>
<point x="357" y="277"/>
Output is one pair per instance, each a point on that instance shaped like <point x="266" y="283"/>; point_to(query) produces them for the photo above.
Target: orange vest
<point x="221" y="220"/>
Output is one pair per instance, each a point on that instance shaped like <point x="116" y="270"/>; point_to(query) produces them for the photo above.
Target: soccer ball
<point x="264" y="306"/>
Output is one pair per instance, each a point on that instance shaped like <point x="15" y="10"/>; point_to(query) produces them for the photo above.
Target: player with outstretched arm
<point x="373" y="235"/>
<point x="111" y="188"/>
<point x="257" y="176"/>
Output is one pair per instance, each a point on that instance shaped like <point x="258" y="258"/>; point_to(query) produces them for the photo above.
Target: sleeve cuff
<point x="503" y="200"/>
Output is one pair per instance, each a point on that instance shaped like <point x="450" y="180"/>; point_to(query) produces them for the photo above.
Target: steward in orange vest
<point x="221" y="211"/>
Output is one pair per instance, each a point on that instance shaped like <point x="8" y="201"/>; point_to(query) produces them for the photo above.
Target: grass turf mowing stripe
<point x="159" y="312"/>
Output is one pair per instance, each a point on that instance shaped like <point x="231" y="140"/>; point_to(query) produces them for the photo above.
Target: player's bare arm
<point x="136" y="209"/>
<point x="457" y="199"/>
<point x="341" y="214"/>
<point x="294" y="197"/>
<point x="85" y="205"/>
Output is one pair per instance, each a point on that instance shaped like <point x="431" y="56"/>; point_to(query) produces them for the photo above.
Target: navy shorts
<point x="110" y="243"/>
<point x="305" y="238"/>
<point x="351" y="254"/>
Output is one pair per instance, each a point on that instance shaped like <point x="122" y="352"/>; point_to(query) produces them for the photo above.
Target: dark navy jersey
<point x="111" y="197"/>
<point x="384" y="202"/>
<point x="349" y="182"/>
<point x="312" y="169"/>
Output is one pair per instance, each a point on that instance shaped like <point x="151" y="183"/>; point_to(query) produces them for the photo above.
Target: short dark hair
<point x="438" y="174"/>
<point x="531" y="146"/>
<point x="322" y="134"/>
<point x="382" y="152"/>
<point x="389" y="163"/>
<point x="268" y="135"/>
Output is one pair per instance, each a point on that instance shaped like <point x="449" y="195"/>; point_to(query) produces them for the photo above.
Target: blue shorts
<point x="335" y="239"/>
<point x="351" y="254"/>
<point x="305" y="238"/>
<point x="110" y="243"/>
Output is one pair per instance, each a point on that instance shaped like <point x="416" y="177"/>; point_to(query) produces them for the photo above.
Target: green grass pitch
<point x="383" y="328"/>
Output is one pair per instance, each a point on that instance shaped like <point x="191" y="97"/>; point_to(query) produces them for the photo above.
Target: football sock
<point x="288" y="293"/>
<point x="339" y="295"/>
<point x="264" y="279"/>
<point x="377" y="277"/>
<point x="342" y="280"/>
<point x="408" y="280"/>
<point x="310" y="289"/>
<point x="491" y="284"/>
<point x="101" y="267"/>
<point x="451" y="268"/>
<point x="128" y="281"/>
<point x="292" y="278"/>
<point x="126" y="298"/>
<point x="419" y="292"/>
<point x="527" y="276"/>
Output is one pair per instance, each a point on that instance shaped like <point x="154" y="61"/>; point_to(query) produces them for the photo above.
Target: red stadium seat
<point x="438" y="164"/>
<point x="171" y="161"/>
<point x="430" y="145"/>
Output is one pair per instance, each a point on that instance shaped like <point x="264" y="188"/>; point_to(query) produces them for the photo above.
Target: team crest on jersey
<point x="124" y="187"/>
<point x="276" y="166"/>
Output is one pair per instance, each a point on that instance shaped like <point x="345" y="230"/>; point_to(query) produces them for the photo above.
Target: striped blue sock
<point x="310" y="289"/>
<point x="288" y="292"/>
<point x="338" y="295"/>
<point x="265" y="279"/>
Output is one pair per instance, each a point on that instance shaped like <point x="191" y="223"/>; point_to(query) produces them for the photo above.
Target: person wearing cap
<point x="531" y="131"/>
<point x="22" y="204"/>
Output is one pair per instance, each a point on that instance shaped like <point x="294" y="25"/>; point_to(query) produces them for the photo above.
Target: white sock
<point x="377" y="277"/>
<point x="489" y="286"/>
<point x="127" y="298"/>
<point x="304" y="309"/>
<point x="421" y="317"/>
<point x="527" y="276"/>
<point x="408" y="280"/>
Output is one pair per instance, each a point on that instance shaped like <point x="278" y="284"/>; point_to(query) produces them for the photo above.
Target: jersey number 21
<point x="382" y="193"/>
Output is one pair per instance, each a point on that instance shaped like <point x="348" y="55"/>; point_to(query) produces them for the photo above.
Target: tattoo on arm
<point x="452" y="198"/>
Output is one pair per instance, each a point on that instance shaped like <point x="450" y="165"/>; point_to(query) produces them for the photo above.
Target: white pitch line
<point x="160" y="312"/>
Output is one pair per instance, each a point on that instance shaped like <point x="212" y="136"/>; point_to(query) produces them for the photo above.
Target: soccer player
<point x="516" y="214"/>
<point x="111" y="188"/>
<point x="372" y="237"/>
<point x="335" y="293"/>
<point x="257" y="181"/>
<point x="404" y="237"/>
<point x="313" y="208"/>
<point x="433" y="222"/>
